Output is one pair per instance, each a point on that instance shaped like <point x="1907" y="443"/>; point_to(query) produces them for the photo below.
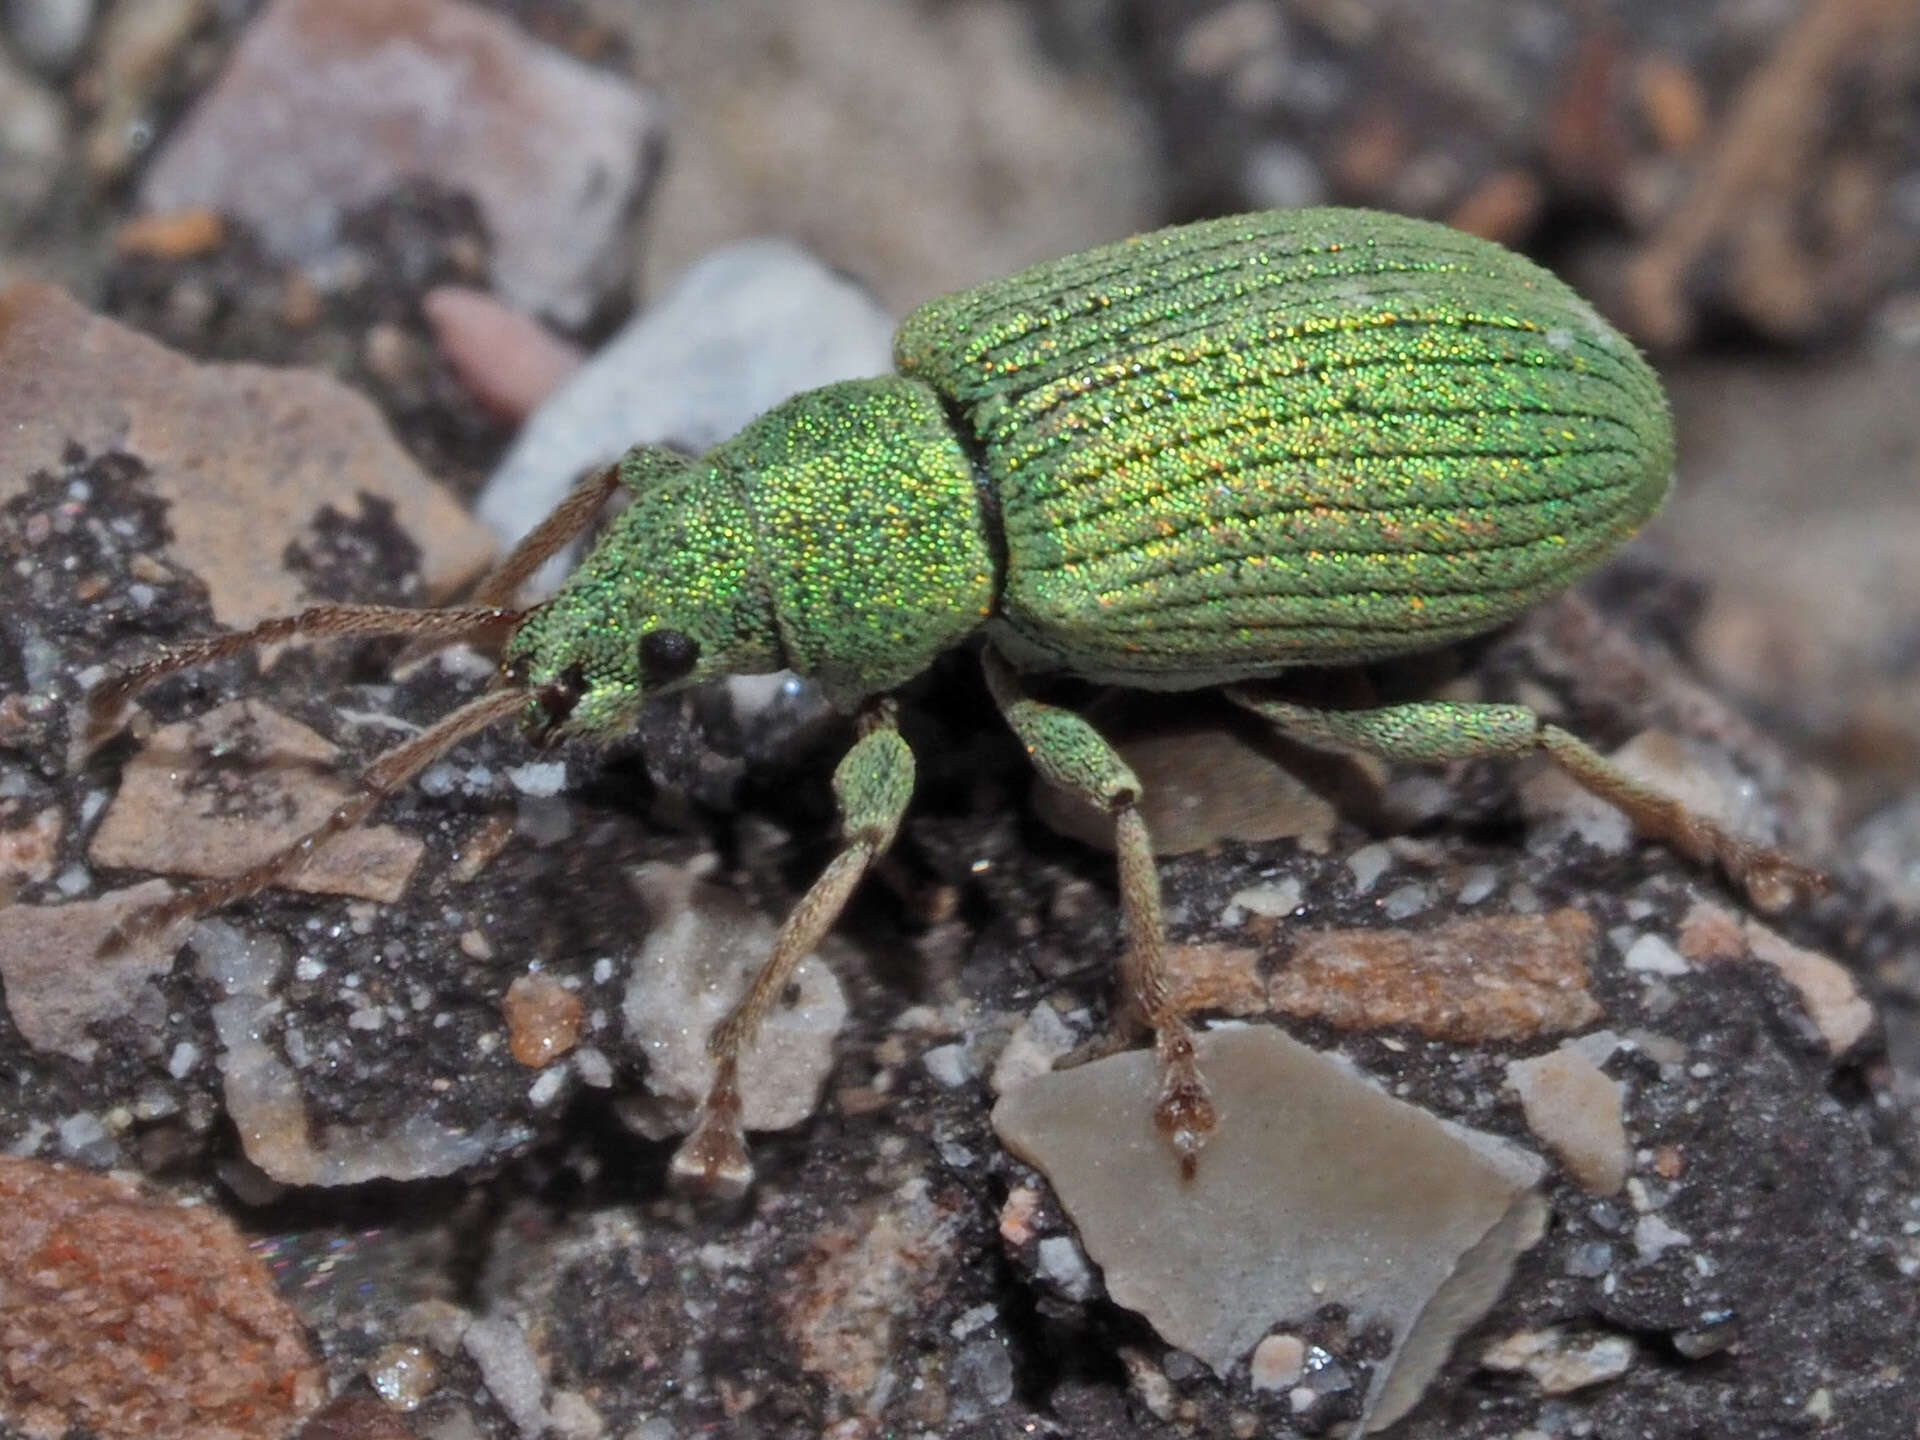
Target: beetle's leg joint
<point x="1070" y="753"/>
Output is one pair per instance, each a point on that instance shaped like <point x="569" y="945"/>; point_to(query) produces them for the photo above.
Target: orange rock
<point x="177" y="235"/>
<point x="138" y="1318"/>
<point x="1497" y="977"/>
<point x="1502" y="207"/>
<point x="1216" y="977"/>
<point x="1673" y="102"/>
<point x="543" y="1019"/>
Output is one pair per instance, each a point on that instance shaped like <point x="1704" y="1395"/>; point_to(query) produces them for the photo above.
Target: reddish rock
<point x="138" y="1318"/>
<point x="1495" y="977"/>
<point x="508" y="359"/>
<point x="862" y="1280"/>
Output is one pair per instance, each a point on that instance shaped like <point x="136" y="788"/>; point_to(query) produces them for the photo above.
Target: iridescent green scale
<point x="1314" y="436"/>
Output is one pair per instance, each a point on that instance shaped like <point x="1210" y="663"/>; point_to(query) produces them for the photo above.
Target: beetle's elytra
<point x="1193" y="458"/>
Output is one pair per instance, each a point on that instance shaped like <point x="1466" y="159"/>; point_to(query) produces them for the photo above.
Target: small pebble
<point x="404" y="1376"/>
<point x="951" y="1065"/>
<point x="1652" y="955"/>
<point x="1368" y="864"/>
<point x="543" y="1019"/>
<point x="1278" y="1362"/>
<point x="1065" y="1264"/>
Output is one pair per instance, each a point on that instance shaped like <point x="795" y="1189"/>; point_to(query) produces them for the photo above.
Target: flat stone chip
<point x="1318" y="1188"/>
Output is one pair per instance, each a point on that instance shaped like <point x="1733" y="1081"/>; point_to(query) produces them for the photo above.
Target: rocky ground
<point x="384" y="1156"/>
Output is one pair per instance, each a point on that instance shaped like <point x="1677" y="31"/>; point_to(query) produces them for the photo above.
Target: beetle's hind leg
<point x="872" y="785"/>
<point x="1435" y="730"/>
<point x="1070" y="753"/>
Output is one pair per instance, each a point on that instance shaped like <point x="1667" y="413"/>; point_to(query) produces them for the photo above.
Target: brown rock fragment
<point x="355" y="1415"/>
<point x="1672" y="101"/>
<point x="543" y="1019"/>
<point x="1496" y="977"/>
<point x="139" y="1319"/>
<point x="27" y="851"/>
<point x="181" y="812"/>
<point x="58" y="987"/>
<point x="1503" y="206"/>
<point x="178" y="235"/>
<point x="246" y="457"/>
<point x="1573" y="1106"/>
<point x="1216" y="977"/>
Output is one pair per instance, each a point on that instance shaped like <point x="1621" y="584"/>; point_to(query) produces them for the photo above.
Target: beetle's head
<point x="667" y="598"/>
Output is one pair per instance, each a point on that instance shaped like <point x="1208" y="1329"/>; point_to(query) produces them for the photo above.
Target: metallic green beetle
<point x="1193" y="458"/>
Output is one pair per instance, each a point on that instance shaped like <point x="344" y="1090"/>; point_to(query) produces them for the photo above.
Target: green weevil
<point x="1194" y="458"/>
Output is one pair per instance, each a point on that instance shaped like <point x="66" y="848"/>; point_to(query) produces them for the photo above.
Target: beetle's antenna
<point x="107" y="699"/>
<point x="386" y="774"/>
<point x="562" y="526"/>
<point x="540" y="544"/>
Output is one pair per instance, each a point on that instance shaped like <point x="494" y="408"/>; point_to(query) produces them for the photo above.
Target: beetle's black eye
<point x="666" y="655"/>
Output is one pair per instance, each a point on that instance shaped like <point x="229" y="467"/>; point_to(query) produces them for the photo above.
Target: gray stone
<point x="1316" y="1188"/>
<point x="33" y="142"/>
<point x="703" y="945"/>
<point x="48" y="34"/>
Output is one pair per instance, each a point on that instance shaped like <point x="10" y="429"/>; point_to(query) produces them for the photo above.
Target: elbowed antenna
<point x="386" y="774"/>
<point x="380" y="779"/>
<point x="107" y="699"/>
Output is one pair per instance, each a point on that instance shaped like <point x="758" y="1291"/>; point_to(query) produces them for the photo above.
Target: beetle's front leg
<point x="1434" y="730"/>
<point x="1070" y="753"/>
<point x="871" y="785"/>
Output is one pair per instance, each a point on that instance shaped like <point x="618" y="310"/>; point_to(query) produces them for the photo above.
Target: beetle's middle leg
<point x="1070" y="753"/>
<point x="1434" y="730"/>
<point x="871" y="785"/>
